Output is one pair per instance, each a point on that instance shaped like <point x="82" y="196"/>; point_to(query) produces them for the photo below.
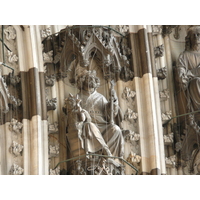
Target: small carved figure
<point x="79" y="170"/>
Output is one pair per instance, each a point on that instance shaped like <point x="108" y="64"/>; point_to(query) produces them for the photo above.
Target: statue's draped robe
<point x="189" y="76"/>
<point x="97" y="106"/>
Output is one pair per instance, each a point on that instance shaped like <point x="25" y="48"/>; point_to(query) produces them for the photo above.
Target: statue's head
<point x="193" y="38"/>
<point x="88" y="80"/>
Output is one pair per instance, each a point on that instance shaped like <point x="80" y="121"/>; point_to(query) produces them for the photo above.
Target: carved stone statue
<point x="90" y="117"/>
<point x="188" y="91"/>
<point x="188" y="68"/>
<point x="101" y="111"/>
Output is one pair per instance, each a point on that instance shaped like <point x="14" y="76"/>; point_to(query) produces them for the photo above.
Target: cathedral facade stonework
<point x="99" y="100"/>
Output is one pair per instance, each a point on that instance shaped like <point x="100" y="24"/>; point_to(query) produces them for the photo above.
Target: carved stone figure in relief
<point x="188" y="68"/>
<point x="97" y="116"/>
<point x="79" y="123"/>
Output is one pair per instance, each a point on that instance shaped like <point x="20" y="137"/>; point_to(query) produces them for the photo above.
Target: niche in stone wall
<point x="71" y="58"/>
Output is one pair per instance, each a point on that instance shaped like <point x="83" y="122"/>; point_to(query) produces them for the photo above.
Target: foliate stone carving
<point x="53" y="128"/>
<point x="10" y="33"/>
<point x="134" y="159"/>
<point x="126" y="74"/>
<point x="168" y="139"/>
<point x="170" y="161"/>
<point x="79" y="170"/>
<point x="46" y="32"/>
<point x="162" y="73"/>
<point x="159" y="51"/>
<point x="50" y="80"/>
<point x="128" y="94"/>
<point x="16" y="149"/>
<point x="14" y="101"/>
<point x="167" y="115"/>
<point x="55" y="171"/>
<point x="132" y="137"/>
<point x="156" y="29"/>
<point x="167" y="29"/>
<point x="48" y="57"/>
<point x="123" y="28"/>
<point x="14" y="80"/>
<point x="12" y="57"/>
<point x="130" y="115"/>
<point x="51" y="104"/>
<point x="178" y="146"/>
<point x="16" y="170"/>
<point x="193" y="123"/>
<point x="53" y="150"/>
<point x="164" y="95"/>
<point x="15" y="126"/>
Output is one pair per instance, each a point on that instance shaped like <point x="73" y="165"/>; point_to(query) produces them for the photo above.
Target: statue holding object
<point x="91" y="119"/>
